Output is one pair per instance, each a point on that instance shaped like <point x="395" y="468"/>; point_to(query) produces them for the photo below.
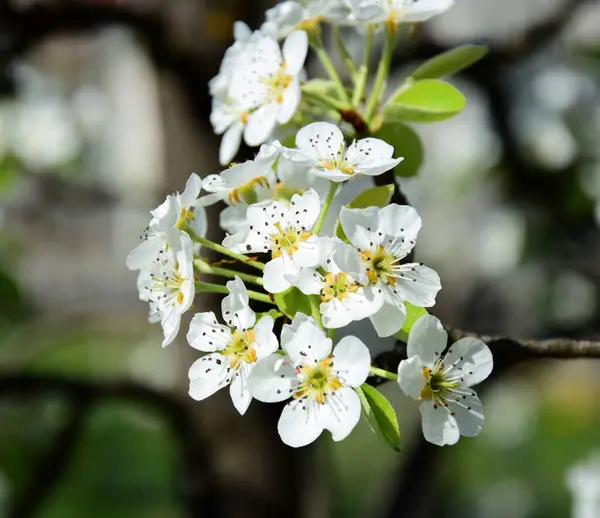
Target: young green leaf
<point x="429" y="100"/>
<point x="450" y="62"/>
<point x="380" y="415"/>
<point x="375" y="197"/>
<point x="413" y="313"/>
<point x="406" y="143"/>
<point x="292" y="301"/>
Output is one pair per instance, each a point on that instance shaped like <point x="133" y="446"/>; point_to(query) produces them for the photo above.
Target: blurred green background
<point x="104" y="108"/>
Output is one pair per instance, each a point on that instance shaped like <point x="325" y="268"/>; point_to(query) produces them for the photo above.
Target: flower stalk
<point x="209" y="287"/>
<point x="381" y="77"/>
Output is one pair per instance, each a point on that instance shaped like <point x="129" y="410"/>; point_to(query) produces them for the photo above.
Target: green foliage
<point x="406" y="143"/>
<point x="320" y="86"/>
<point x="450" y="62"/>
<point x="380" y="415"/>
<point x="429" y="100"/>
<point x="375" y="197"/>
<point x="292" y="301"/>
<point x="413" y="313"/>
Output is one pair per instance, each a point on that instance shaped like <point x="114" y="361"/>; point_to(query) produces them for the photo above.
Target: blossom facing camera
<point x="235" y="348"/>
<point x="318" y="380"/>
<point x="177" y="210"/>
<point x="383" y="238"/>
<point x="443" y="379"/>
<point x="321" y="145"/>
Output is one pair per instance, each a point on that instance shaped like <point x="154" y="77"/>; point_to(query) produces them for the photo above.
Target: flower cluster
<point x="313" y="281"/>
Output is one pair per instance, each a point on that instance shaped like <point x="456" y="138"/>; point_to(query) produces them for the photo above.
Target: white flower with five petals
<point x="394" y="12"/>
<point x="340" y="282"/>
<point x="266" y="83"/>
<point x="321" y="145"/>
<point x="169" y="283"/>
<point x="285" y="232"/>
<point x="290" y="15"/>
<point x="176" y="210"/>
<point x="318" y="380"/>
<point x="442" y="381"/>
<point x="383" y="238"/>
<point x="235" y="348"/>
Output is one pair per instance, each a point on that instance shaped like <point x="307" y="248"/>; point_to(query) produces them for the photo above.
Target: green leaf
<point x="380" y="415"/>
<point x="375" y="197"/>
<point x="413" y="313"/>
<point x="429" y="100"/>
<point x="406" y="143"/>
<point x="450" y="62"/>
<point x="292" y="301"/>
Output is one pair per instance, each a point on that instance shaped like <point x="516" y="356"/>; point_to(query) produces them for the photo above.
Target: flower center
<point x="185" y="214"/>
<point x="437" y="385"/>
<point x="277" y="84"/>
<point x="247" y="191"/>
<point x="337" y="286"/>
<point x="380" y="265"/>
<point x="339" y="162"/>
<point x="317" y="381"/>
<point x="287" y="240"/>
<point x="168" y="283"/>
<point x="239" y="349"/>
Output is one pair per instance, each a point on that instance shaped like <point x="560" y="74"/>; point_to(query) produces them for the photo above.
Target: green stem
<point x="222" y="250"/>
<point x="317" y="45"/>
<point x="208" y="287"/>
<point x="345" y="55"/>
<point x="383" y="374"/>
<point x="203" y="267"/>
<point x="363" y="74"/>
<point x="330" y="102"/>
<point x="331" y="333"/>
<point x="381" y="77"/>
<point x="319" y="223"/>
<point x="315" y="309"/>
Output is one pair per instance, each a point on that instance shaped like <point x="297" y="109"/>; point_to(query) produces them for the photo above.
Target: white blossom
<point x="321" y="145"/>
<point x="169" y="283"/>
<point x="290" y="15"/>
<point x="318" y="381"/>
<point x="339" y="280"/>
<point x="394" y="12"/>
<point x="285" y="232"/>
<point x="234" y="349"/>
<point x="177" y="210"/>
<point x="383" y="238"/>
<point x="442" y="381"/>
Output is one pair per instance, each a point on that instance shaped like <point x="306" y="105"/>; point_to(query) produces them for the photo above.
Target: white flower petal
<point x="294" y="51"/>
<point x="340" y="413"/>
<point x="290" y="102"/>
<point x="265" y="340"/>
<point x="389" y="319"/>
<point x="320" y="141"/>
<point x="351" y="361"/>
<point x="239" y="390"/>
<point x="206" y="334"/>
<point x="170" y="322"/>
<point x="236" y="307"/>
<point x="207" y="376"/>
<point x="230" y="143"/>
<point x="355" y="223"/>
<point x="146" y="252"/>
<point x="308" y="281"/>
<point x="304" y="341"/>
<point x="419" y="284"/>
<point x="410" y="376"/>
<point x="191" y="191"/>
<point x="427" y="339"/>
<point x="276" y="274"/>
<point x="273" y="379"/>
<point x="423" y="10"/>
<point x="477" y="360"/>
<point x="261" y="124"/>
<point x="371" y="156"/>
<point x="304" y="209"/>
<point x="439" y="427"/>
<point x="468" y="414"/>
<point x="298" y="424"/>
<point x="400" y="221"/>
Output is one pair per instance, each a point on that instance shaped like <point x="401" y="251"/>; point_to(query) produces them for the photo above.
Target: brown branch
<point x="198" y="481"/>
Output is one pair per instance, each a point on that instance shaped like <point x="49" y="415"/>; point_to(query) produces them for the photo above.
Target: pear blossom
<point x="169" y="283"/>
<point x="338" y="282"/>
<point x="304" y="15"/>
<point x="383" y="238"/>
<point x="442" y="381"/>
<point x="318" y="380"/>
<point x="285" y="232"/>
<point x="234" y="349"/>
<point x="295" y="178"/>
<point x="394" y="12"/>
<point x="176" y="211"/>
<point x="321" y="145"/>
<point x="265" y="82"/>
